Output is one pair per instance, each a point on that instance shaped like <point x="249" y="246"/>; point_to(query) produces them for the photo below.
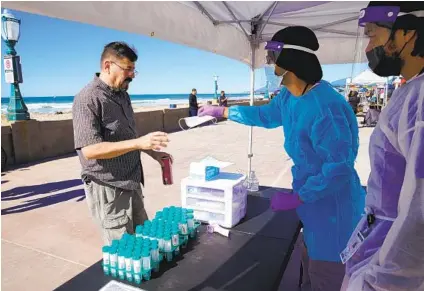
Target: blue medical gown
<point x="321" y="137"/>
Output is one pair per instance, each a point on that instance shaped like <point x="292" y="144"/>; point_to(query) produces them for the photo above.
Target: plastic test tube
<point x="176" y="240"/>
<point x="113" y="257"/>
<point x="168" y="247"/>
<point x="146" y="262"/>
<point x="106" y="260"/>
<point x="121" y="264"/>
<point x="190" y="224"/>
<point x="154" y="253"/>
<point x="137" y="268"/>
<point x="184" y="226"/>
<point x="190" y="221"/>
<point x="161" y="242"/>
<point x="106" y="269"/>
<point x="121" y="259"/>
<point x="121" y="274"/>
<point x="128" y="261"/>
<point x="184" y="231"/>
<point x="128" y="265"/>
<point x="113" y="272"/>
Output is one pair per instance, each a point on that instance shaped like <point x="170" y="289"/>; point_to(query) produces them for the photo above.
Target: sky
<point x="60" y="57"/>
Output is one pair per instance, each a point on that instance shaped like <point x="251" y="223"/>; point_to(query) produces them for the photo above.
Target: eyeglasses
<point x="126" y="69"/>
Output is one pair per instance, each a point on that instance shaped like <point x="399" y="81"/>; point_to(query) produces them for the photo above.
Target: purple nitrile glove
<point x="285" y="201"/>
<point x="215" y="111"/>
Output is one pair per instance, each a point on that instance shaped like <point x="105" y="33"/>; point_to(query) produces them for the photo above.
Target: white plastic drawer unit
<point x="223" y="200"/>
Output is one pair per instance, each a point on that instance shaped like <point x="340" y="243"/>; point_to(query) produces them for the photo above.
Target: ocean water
<point x="64" y="103"/>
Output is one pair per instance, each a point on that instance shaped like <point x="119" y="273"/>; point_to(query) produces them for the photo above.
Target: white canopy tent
<point x="237" y="30"/>
<point x="368" y="77"/>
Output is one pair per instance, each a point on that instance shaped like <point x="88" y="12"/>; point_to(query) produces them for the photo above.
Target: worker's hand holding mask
<point x="285" y="201"/>
<point x="209" y="110"/>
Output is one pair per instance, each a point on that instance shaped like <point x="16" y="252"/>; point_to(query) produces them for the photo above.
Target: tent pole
<point x="252" y="97"/>
<point x="386" y="89"/>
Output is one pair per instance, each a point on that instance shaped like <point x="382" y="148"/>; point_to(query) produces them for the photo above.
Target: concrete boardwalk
<point x="48" y="236"/>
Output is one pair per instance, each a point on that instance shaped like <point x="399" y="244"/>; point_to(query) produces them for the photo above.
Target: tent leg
<point x="386" y="89"/>
<point x="252" y="97"/>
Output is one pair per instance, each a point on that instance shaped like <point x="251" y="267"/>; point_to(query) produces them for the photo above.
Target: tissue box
<point x="222" y="200"/>
<point x="203" y="172"/>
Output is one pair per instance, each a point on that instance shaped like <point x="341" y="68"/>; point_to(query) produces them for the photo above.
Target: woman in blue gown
<point x="321" y="137"/>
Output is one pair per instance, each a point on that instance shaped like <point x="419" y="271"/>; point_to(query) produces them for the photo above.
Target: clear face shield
<point x="373" y="40"/>
<point x="372" y="52"/>
<point x="273" y="50"/>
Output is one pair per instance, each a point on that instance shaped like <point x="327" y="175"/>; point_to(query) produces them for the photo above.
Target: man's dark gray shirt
<point x="101" y="114"/>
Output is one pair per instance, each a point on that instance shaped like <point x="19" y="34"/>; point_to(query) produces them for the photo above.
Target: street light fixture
<point x="216" y="87"/>
<point x="17" y="109"/>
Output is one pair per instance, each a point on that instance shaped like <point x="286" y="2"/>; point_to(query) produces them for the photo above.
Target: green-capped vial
<point x="121" y="259"/>
<point x="121" y="274"/>
<point x="183" y="227"/>
<point x="137" y="263"/>
<point x="190" y="221"/>
<point x="113" y="272"/>
<point x="113" y="257"/>
<point x="167" y="243"/>
<point x="105" y="251"/>
<point x="145" y="254"/>
<point x="137" y="278"/>
<point x="128" y="261"/>
<point x="160" y="241"/>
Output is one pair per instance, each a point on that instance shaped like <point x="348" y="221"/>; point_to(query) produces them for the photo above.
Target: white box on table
<point x="222" y="200"/>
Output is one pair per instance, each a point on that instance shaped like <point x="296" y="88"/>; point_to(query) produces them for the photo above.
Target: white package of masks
<point x="194" y="121"/>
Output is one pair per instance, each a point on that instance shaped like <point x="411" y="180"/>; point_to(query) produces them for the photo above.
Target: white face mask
<point x="194" y="121"/>
<point x="281" y="78"/>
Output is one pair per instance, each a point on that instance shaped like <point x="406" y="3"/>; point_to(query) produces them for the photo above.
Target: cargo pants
<point x="115" y="210"/>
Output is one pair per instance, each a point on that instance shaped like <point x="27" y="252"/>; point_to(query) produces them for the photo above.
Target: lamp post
<point x="216" y="87"/>
<point x="266" y="95"/>
<point x="348" y="81"/>
<point x="17" y="109"/>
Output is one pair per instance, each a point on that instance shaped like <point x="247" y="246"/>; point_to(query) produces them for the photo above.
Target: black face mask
<point x="384" y="65"/>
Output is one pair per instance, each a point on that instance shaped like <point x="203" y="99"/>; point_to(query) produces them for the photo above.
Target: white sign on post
<point x="9" y="74"/>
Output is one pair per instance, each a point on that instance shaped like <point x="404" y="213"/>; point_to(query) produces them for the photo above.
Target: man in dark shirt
<point x="108" y="144"/>
<point x="193" y="106"/>
<point x="354" y="101"/>
<point x="223" y="101"/>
